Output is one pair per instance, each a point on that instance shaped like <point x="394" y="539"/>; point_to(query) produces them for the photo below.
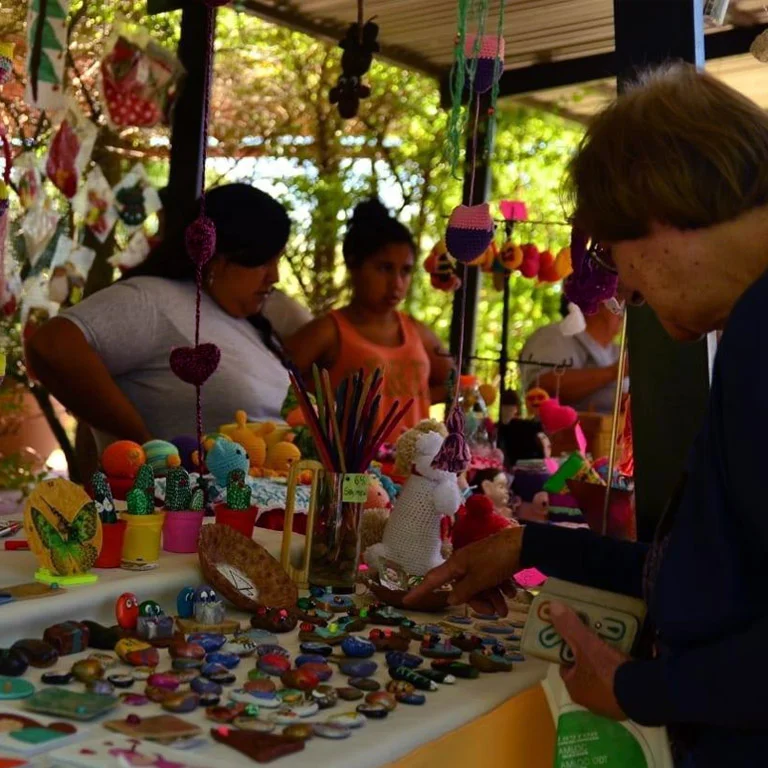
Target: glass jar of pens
<point x="348" y="429"/>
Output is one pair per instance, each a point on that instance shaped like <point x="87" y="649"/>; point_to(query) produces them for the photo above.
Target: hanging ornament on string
<point x="6" y="62"/>
<point x="195" y="365"/>
<point x="5" y="187"/>
<point x="441" y="269"/>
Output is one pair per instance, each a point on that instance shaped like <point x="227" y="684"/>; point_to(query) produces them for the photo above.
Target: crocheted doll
<point x="412" y="534"/>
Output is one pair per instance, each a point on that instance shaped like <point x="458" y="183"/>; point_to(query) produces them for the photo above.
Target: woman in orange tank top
<point x="370" y="332"/>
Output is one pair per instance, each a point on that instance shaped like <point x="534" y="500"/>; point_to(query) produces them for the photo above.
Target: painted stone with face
<point x="185" y="603"/>
<point x="208" y="608"/>
<point x="152" y="623"/>
<point x="127" y="610"/>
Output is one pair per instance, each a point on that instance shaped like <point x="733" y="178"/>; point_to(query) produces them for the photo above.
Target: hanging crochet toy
<point x="441" y="269"/>
<point x="412" y="535"/>
<point x="359" y="45"/>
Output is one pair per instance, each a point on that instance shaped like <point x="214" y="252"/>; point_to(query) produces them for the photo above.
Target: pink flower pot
<point x="181" y="531"/>
<point x="242" y="520"/>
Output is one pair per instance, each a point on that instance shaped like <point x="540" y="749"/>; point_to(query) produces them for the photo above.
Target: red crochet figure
<point x="479" y="522"/>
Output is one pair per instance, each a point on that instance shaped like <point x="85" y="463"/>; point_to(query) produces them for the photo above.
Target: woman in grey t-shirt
<point x="106" y="359"/>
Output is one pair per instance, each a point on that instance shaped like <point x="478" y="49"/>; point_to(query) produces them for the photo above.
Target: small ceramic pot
<point x="111" y="553"/>
<point x="242" y="520"/>
<point x="141" y="546"/>
<point x="181" y="530"/>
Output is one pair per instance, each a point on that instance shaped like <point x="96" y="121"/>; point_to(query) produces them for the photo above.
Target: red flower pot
<point x="111" y="545"/>
<point x="242" y="520"/>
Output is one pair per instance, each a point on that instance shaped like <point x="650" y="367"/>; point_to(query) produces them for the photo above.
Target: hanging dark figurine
<point x="359" y="45"/>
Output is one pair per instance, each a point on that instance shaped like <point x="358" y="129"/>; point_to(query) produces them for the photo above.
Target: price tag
<point x="354" y="489"/>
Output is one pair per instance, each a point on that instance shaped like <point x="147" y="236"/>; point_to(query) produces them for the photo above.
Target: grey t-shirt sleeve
<point x="285" y="314"/>
<point x="120" y="323"/>
<point x="547" y="345"/>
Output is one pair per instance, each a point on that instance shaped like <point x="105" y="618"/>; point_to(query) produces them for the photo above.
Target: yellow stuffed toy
<point x="253" y="442"/>
<point x="281" y="456"/>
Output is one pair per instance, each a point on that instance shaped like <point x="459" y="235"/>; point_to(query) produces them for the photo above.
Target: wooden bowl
<point x="431" y="603"/>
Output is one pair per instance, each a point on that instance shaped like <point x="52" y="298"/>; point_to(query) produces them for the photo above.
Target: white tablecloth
<point x="375" y="745"/>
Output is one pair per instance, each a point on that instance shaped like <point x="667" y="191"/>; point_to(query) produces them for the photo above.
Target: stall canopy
<point x="559" y="53"/>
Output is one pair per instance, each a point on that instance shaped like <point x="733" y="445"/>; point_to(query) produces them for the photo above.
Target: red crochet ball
<point x="479" y="522"/>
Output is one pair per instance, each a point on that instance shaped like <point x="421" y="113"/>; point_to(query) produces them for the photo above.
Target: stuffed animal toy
<point x="222" y="457"/>
<point x="359" y="45"/>
<point x="441" y="268"/>
<point x="478" y="522"/>
<point x="412" y="537"/>
<point x="281" y="456"/>
<point x="254" y="444"/>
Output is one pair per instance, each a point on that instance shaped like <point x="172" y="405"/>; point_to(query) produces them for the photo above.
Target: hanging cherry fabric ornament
<point x="469" y="232"/>
<point x="485" y="56"/>
<point x="530" y="264"/>
<point x="547" y="270"/>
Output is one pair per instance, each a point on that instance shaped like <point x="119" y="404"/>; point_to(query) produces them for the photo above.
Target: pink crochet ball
<point x="488" y="52"/>
<point x="470" y="231"/>
<point x="200" y="239"/>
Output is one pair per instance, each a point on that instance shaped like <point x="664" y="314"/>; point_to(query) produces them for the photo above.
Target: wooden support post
<point x="670" y="380"/>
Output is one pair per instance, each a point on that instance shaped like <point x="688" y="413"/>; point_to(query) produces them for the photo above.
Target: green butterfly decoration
<point x="238" y="493"/>
<point x="178" y="494"/>
<point x="138" y="503"/>
<point x="69" y="543"/>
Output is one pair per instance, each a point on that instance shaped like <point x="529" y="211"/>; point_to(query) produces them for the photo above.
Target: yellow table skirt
<point x="518" y="734"/>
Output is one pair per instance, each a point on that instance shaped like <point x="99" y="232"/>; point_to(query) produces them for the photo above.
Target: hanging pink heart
<point x="200" y="239"/>
<point x="555" y="417"/>
<point x="195" y="365"/>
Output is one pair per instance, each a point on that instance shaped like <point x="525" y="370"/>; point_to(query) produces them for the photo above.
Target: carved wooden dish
<point x="243" y="571"/>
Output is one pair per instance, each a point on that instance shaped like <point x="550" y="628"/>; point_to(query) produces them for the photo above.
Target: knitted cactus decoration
<point x="178" y="495"/>
<point x="197" y="504"/>
<point x="138" y="503"/>
<point x="145" y="480"/>
<point x="102" y="495"/>
<point x="238" y="493"/>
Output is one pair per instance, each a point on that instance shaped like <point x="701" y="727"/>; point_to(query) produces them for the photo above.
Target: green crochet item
<point x="198" y="500"/>
<point x="178" y="495"/>
<point x="102" y="495"/>
<point x="145" y="480"/>
<point x="138" y="503"/>
<point x="238" y="492"/>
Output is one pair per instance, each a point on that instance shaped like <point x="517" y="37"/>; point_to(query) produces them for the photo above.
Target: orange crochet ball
<point x="123" y="459"/>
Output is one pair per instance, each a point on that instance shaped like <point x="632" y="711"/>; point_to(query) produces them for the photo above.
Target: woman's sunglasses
<point x="602" y="257"/>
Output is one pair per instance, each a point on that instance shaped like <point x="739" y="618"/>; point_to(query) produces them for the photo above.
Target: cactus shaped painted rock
<point x="178" y="494"/>
<point x="145" y="480"/>
<point x="238" y="493"/>
<point x="138" y="503"/>
<point x="197" y="504"/>
<point x="102" y="495"/>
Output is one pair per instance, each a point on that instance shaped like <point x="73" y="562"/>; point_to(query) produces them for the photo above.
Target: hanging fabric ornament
<point x="6" y="62"/>
<point x="46" y="53"/>
<point x="488" y="53"/>
<point x="485" y="260"/>
<point x="531" y="259"/>
<point x="563" y="263"/>
<point x="441" y="269"/>
<point x="195" y="365"/>
<point x="547" y="271"/>
<point x="454" y="455"/>
<point x="469" y="232"/>
<point x="590" y="284"/>
<point x="5" y="186"/>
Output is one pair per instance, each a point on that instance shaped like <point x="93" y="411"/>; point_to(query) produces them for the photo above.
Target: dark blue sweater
<point x="709" y="605"/>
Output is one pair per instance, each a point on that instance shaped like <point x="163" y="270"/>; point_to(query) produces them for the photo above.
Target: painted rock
<point x="358" y="647"/>
<point x="121" y="681"/>
<point x="348" y="693"/>
<point x="466" y="642"/>
<point x="182" y="650"/>
<point x="399" y="659"/>
<point x="515" y="656"/>
<point x="387" y="640"/>
<point x="261" y="685"/>
<point x="182" y="665"/>
<point x="412" y="676"/>
<point x="253" y="724"/>
<point x="185" y="605"/>
<point x="438" y="676"/>
<point x="57" y="678"/>
<point x="100" y="687"/>
<point x="134" y="699"/>
<point x="163" y="680"/>
<point x="284" y="716"/>
<point x="158" y="695"/>
<point x="365" y="683"/>
<point x="456" y="668"/>
<point x="241" y="696"/>
<point x="331" y="731"/>
<point x="347" y="719"/>
<point x="228" y="660"/>
<point x="496" y="629"/>
<point x="240" y="645"/>
<point x="67" y="637"/>
<point x="385" y="615"/>
<point x="13" y="688"/>
<point x="399" y="686"/>
<point x="490" y="662"/>
<point x="102" y="638"/>
<point x="463" y="620"/>
<point x="274" y="665"/>
<point x="485" y="616"/>
<point x="274" y="619"/>
<point x="209" y="641"/>
<point x="142" y="673"/>
<point x="301" y="679"/>
<point x="258" y="636"/>
<point x="300" y="731"/>
<point x="200" y="685"/>
<point x="87" y="669"/>
<point x="37" y="653"/>
<point x="307" y="709"/>
<point x="326" y="696"/>
<point x="414" y="698"/>
<point x="127" y="610"/>
<point x="351" y="623"/>
<point x="225" y="714"/>
<point x="291" y="696"/>
<point x="265" y="649"/>
<point x="209" y="699"/>
<point x="185" y="676"/>
<point x="373" y="711"/>
<point x="420" y="631"/>
<point x="218" y="674"/>
<point x="322" y="649"/>
<point x="360" y="668"/>
<point x="309" y="658"/>
<point x="384" y="698"/>
<point x="322" y="671"/>
<point x="107" y="660"/>
<point x="137" y="653"/>
<point x="439" y="650"/>
<point x="335" y="603"/>
<point x="181" y="702"/>
<point x="257" y="674"/>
